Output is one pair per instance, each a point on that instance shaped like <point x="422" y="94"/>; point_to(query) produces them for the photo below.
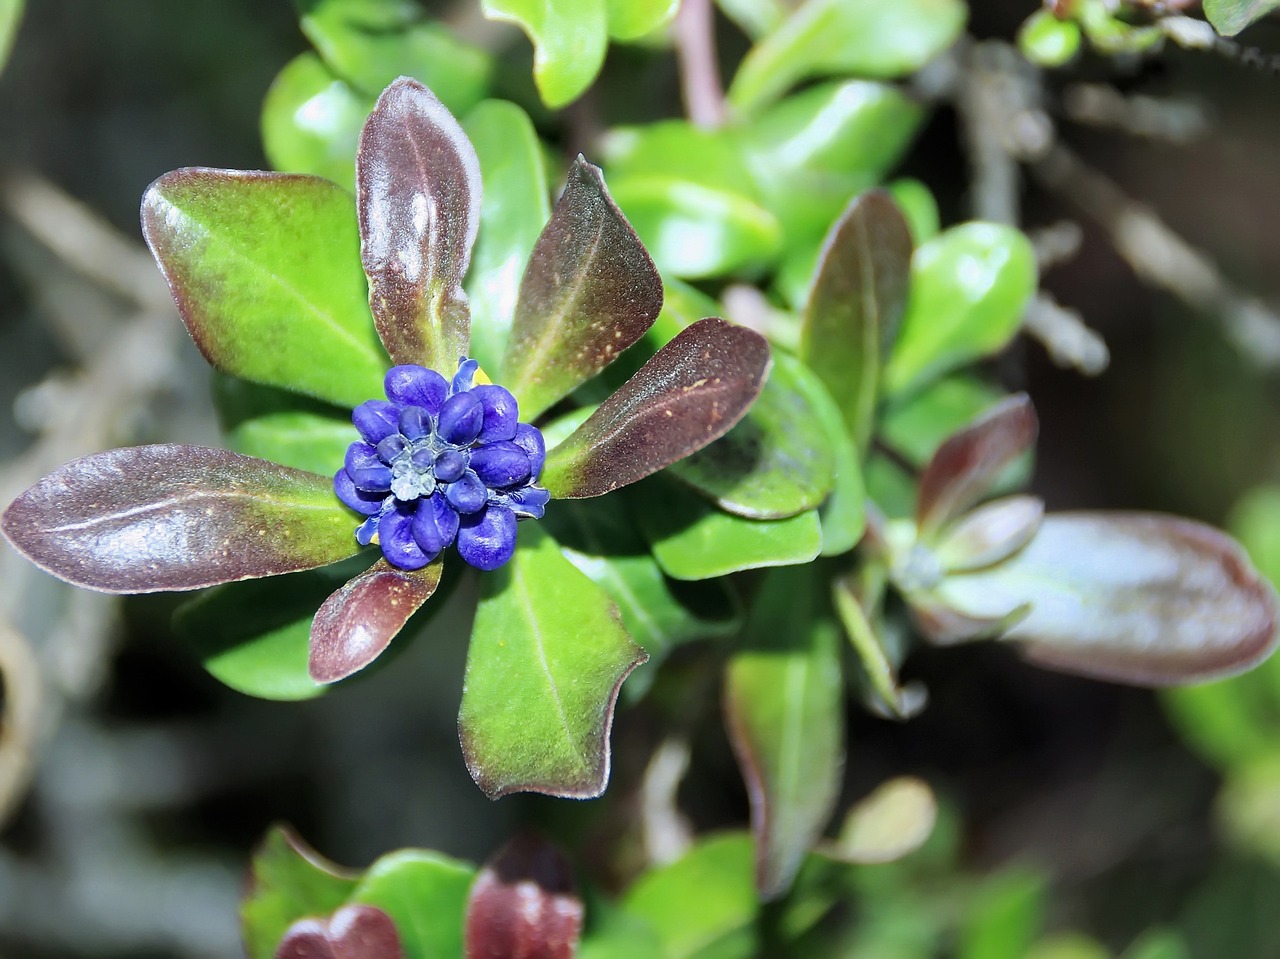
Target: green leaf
<point x="855" y="306"/>
<point x="10" y="17"/>
<point x="843" y="516"/>
<point x="255" y="636"/>
<point x="600" y="541"/>
<point x="425" y="893"/>
<point x="813" y="152"/>
<point x="633" y="19"/>
<point x="1158" y="944"/>
<point x="866" y="38"/>
<point x="1229" y="17"/>
<point x="311" y="121"/>
<point x="514" y="210"/>
<point x="755" y="17"/>
<point x="548" y="656"/>
<point x="287" y="881"/>
<point x="569" y="39"/>
<point x="919" y="207"/>
<point x="1048" y="41"/>
<point x="783" y="699"/>
<point x="283" y="427"/>
<point x="969" y="288"/>
<point x="693" y="539"/>
<point x="778" y="460"/>
<point x="418" y="199"/>
<point x="170" y="517"/>
<point x="879" y="666"/>
<point x="264" y="268"/>
<point x="704" y="904"/>
<point x="1005" y="917"/>
<point x="1138" y="598"/>
<point x="589" y="292"/>
<point x="370" y="43"/>
<point x="695" y="231"/>
<point x="688" y="394"/>
<point x="915" y="426"/>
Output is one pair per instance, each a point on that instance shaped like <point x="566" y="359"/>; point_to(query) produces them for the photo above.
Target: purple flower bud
<point x="468" y="494"/>
<point x="487" y="539"/>
<point x="416" y="386"/>
<point x="461" y="418"/>
<point x="500" y="464"/>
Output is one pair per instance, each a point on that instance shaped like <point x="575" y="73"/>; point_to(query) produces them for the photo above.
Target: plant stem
<point x="699" y="64"/>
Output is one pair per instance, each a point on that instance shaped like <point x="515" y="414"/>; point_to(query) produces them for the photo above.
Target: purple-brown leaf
<point x="1136" y="598"/>
<point x="356" y="623"/>
<point x="589" y="291"/>
<point x="689" y="393"/>
<point x="173" y="517"/>
<point x="353" y="932"/>
<point x="967" y="463"/>
<point x="418" y="198"/>
<point x="990" y="534"/>
<point x="856" y="304"/>
<point x="524" y="906"/>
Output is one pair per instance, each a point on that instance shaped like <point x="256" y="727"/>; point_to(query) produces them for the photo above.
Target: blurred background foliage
<point x="1077" y="819"/>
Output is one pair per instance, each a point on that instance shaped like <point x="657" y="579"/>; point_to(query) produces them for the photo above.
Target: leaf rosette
<point x="287" y="282"/>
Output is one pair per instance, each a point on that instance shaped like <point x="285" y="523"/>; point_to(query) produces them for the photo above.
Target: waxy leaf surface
<point x="1137" y="598"/>
<point x="353" y="932"/>
<point x="569" y="41"/>
<point x="633" y="19"/>
<point x="418" y="196"/>
<point x="855" y="306"/>
<point x="990" y="533"/>
<point x="783" y="703"/>
<point x="969" y="288"/>
<point x="778" y="460"/>
<point x="514" y="211"/>
<point x="967" y="464"/>
<point x="311" y="121"/>
<point x="358" y="622"/>
<point x="280" y="426"/>
<point x="694" y="539"/>
<point x="689" y="393"/>
<point x="426" y="894"/>
<point x="287" y="881"/>
<point x="548" y="656"/>
<point x="589" y="292"/>
<point x="524" y="905"/>
<point x="865" y="38"/>
<point x="264" y="268"/>
<point x="171" y="517"/>
<point x="1229" y="17"/>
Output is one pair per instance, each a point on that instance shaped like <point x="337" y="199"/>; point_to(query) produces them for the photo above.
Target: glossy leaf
<point x="783" y="702"/>
<point x="172" y="517"/>
<point x="547" y="658"/>
<point x="1229" y="17"/>
<point x="370" y="43"/>
<point x="287" y="881"/>
<point x="311" y="121"/>
<point x="357" y="623"/>
<point x="813" y="152"/>
<point x="283" y="427"/>
<point x="692" y="539"/>
<point x="1130" y="597"/>
<point x="878" y="661"/>
<point x="569" y="41"/>
<point x="856" y="303"/>
<point x="1048" y="41"/>
<point x="843" y="515"/>
<point x="633" y="19"/>
<point x="600" y="541"/>
<point x="418" y="198"/>
<point x="777" y="461"/>
<point x="589" y="292"/>
<point x="969" y="288"/>
<point x="264" y="270"/>
<point x="703" y="904"/>
<point x="514" y="211"/>
<point x="524" y="905"/>
<point x="425" y="893"/>
<point x="966" y="466"/>
<point x="865" y="38"/>
<point x="691" y="392"/>
<point x="255" y="636"/>
<point x="990" y="534"/>
<point x="353" y="932"/>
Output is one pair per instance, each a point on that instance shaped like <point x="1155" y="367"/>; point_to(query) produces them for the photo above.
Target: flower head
<point x="439" y="461"/>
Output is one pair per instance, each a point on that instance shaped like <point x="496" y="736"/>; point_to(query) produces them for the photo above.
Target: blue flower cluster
<point x="439" y="461"/>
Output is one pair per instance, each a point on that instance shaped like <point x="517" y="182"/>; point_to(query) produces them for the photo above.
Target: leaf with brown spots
<point x="689" y="393"/>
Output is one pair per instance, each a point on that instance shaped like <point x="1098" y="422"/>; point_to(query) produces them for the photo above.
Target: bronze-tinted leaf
<point x="358" y="621"/>
<point x="524" y="905"/>
<point x="354" y="932"/>
<point x="967" y="463"/>
<point x="589" y="291"/>
<point x="150" y="518"/>
<point x="418" y="198"/>
<point x="689" y="393"/>
<point x="990" y="534"/>
<point x="858" y="297"/>
<point x="1131" y="597"/>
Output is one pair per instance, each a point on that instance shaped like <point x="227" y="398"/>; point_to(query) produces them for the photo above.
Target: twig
<point x="667" y="833"/>
<point x="1069" y="342"/>
<point x="700" y="83"/>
